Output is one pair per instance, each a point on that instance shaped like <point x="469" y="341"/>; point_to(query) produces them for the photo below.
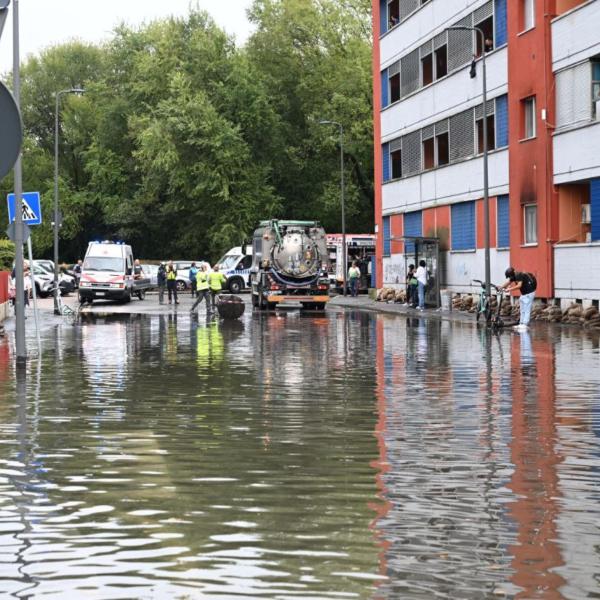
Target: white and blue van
<point x="235" y="265"/>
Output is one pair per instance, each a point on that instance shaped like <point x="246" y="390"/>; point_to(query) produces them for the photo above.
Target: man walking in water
<point x="202" y="291"/>
<point x="526" y="283"/>
<point x="216" y="280"/>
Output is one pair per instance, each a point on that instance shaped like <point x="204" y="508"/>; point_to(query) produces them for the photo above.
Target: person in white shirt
<point x="421" y="276"/>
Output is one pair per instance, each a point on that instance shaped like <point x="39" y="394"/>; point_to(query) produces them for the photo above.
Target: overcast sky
<point x="48" y="22"/>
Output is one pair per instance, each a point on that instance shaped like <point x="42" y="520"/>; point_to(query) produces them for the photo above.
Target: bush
<point x="7" y="255"/>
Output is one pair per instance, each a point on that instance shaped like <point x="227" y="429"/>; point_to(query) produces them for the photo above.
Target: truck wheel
<point x="254" y="300"/>
<point x="141" y="294"/>
<point x="271" y="305"/>
<point x="235" y="285"/>
<point x="127" y="298"/>
<point x="320" y="305"/>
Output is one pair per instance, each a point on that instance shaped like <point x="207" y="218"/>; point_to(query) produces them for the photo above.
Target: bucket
<point x="446" y="297"/>
<point x="230" y="307"/>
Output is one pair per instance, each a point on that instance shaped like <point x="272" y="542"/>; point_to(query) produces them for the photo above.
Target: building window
<point x="396" y="158"/>
<point x="441" y="61"/>
<point x="463" y="226"/>
<point x="428" y="154"/>
<point x="443" y="149"/>
<point x="487" y="26"/>
<point x="491" y="134"/>
<point x="530" y="211"/>
<point x="395" y="88"/>
<point x="393" y="13"/>
<point x="427" y="70"/>
<point x="528" y="18"/>
<point x="529" y="117"/>
<point x="596" y="88"/>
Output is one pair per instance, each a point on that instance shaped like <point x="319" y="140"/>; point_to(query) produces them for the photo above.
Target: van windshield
<point x="230" y="261"/>
<point x="104" y="263"/>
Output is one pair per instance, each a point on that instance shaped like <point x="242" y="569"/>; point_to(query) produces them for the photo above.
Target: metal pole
<point x="56" y="292"/>
<point x="34" y="295"/>
<point x="344" y="248"/>
<point x="21" y="348"/>
<point x="486" y="191"/>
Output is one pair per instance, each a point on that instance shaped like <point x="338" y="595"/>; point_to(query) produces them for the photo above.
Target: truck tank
<point x="290" y="258"/>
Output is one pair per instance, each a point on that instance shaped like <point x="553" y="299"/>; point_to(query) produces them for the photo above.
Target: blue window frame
<point x="503" y="222"/>
<point x="385" y="150"/>
<point x="413" y="226"/>
<point x="387" y="236"/>
<point x="383" y="16"/>
<point x="463" y="226"/>
<point x="384" y="89"/>
<point x="500" y="22"/>
<point x="595" y="208"/>
<point x="502" y="121"/>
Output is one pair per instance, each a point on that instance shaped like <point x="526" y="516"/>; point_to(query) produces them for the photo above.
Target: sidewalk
<point x="365" y="303"/>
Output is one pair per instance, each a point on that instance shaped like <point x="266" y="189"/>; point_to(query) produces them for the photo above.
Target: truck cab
<point x="235" y="265"/>
<point x="107" y="273"/>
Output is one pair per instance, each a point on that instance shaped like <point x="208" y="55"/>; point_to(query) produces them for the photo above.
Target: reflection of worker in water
<point x="209" y="345"/>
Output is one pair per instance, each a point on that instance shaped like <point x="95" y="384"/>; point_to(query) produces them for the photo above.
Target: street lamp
<point x="344" y="250"/>
<point x="486" y="199"/>
<point x="56" y="218"/>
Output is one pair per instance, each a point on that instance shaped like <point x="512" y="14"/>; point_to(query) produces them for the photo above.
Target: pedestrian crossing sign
<point x="31" y="208"/>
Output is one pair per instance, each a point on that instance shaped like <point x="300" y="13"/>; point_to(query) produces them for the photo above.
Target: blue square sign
<point x="31" y="207"/>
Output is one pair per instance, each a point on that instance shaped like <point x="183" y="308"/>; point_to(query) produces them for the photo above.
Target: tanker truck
<point x="290" y="262"/>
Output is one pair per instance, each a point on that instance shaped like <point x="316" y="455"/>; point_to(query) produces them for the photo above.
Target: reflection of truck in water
<point x="107" y="273"/>
<point x="289" y="262"/>
<point x="360" y="248"/>
<point x="235" y="265"/>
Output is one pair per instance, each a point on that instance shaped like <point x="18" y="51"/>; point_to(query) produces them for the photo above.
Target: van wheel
<point x="235" y="285"/>
<point x="141" y="294"/>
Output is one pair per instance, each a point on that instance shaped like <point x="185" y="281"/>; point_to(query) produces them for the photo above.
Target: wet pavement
<point x="299" y="455"/>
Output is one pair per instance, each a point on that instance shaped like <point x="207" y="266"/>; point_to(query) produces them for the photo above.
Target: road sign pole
<point x="21" y="348"/>
<point x="34" y="295"/>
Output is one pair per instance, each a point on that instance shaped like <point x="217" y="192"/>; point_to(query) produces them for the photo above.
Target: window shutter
<point x="384" y="88"/>
<point x="387" y="236"/>
<point x="411" y="153"/>
<point x="573" y="98"/>
<point x="460" y="45"/>
<point x="500" y="22"/>
<point x="503" y="220"/>
<point x="595" y="208"/>
<point x="409" y="73"/>
<point x="385" y="151"/>
<point x="407" y="7"/>
<point x="462" y="135"/>
<point x="413" y="226"/>
<point x="463" y="226"/>
<point x="483" y="12"/>
<point x="502" y="121"/>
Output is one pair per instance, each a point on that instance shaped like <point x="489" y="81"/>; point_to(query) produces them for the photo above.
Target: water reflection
<point x="289" y="454"/>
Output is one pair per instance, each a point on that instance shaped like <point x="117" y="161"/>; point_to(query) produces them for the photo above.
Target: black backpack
<point x="532" y="282"/>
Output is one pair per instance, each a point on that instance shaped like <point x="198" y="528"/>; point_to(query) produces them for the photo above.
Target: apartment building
<point x="543" y="123"/>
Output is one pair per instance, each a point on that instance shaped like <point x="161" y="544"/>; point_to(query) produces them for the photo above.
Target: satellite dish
<point x="11" y="130"/>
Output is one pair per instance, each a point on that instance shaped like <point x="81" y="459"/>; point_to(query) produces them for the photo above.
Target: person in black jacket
<point x="161" y="280"/>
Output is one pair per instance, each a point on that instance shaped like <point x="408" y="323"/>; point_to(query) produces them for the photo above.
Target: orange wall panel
<point x="4" y="276"/>
<point x="479" y="208"/>
<point x="397" y="227"/>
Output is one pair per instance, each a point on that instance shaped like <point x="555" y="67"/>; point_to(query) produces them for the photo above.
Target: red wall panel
<point x="4" y="277"/>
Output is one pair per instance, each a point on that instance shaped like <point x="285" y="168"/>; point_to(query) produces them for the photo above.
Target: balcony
<point x="575" y="35"/>
<point x="453" y="183"/>
<point x="576" y="156"/>
<point x="577" y="271"/>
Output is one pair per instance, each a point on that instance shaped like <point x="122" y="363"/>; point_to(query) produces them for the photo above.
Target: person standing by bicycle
<point x="526" y="283"/>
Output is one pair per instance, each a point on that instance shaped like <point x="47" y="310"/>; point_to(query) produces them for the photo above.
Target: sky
<point x="46" y="23"/>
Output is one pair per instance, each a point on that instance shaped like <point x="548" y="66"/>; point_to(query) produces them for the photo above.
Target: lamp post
<point x="486" y="199"/>
<point x="56" y="217"/>
<point x="344" y="249"/>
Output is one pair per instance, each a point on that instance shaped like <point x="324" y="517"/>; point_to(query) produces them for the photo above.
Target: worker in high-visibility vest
<point x="216" y="280"/>
<point x="172" y="282"/>
<point x="202" y="290"/>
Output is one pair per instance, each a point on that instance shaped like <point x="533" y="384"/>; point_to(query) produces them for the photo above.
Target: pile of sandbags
<point x="544" y="312"/>
<point x="591" y="317"/>
<point x="464" y="303"/>
<point x="391" y="295"/>
<point x="573" y="315"/>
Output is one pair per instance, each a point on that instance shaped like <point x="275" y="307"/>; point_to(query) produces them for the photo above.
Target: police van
<point x="235" y="265"/>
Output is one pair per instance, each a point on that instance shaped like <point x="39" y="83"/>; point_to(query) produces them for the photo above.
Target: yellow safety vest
<point x="201" y="281"/>
<point x="172" y="274"/>
<point x="216" y="280"/>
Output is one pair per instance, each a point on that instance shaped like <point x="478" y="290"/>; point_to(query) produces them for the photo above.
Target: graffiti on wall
<point x="393" y="270"/>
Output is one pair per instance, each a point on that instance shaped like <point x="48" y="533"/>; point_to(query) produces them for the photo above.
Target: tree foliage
<point x="183" y="141"/>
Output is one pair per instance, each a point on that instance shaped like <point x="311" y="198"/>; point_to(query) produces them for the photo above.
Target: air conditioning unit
<point x="586" y="213"/>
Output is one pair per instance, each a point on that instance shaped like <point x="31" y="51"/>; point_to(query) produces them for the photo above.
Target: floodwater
<point x="344" y="455"/>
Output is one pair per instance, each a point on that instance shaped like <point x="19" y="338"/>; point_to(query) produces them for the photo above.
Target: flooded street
<point x="289" y="455"/>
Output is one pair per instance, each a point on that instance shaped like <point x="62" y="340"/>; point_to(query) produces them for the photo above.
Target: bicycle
<point x="63" y="309"/>
<point x="492" y="319"/>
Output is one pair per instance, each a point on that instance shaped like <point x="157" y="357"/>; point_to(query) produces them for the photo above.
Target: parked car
<point x="44" y="282"/>
<point x="183" y="273"/>
<point x="48" y="266"/>
<point x="151" y="272"/>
